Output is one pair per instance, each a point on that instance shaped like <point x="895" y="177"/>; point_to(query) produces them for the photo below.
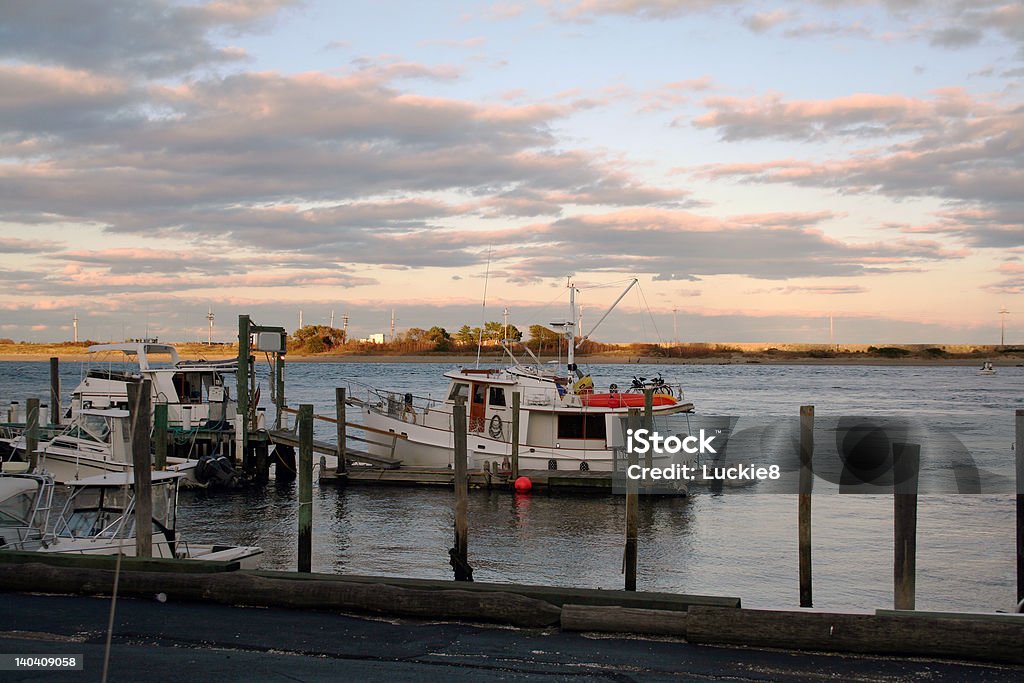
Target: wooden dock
<point x="550" y="481"/>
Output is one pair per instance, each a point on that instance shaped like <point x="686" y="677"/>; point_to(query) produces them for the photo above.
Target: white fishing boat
<point x="99" y="519"/>
<point x="987" y="368"/>
<point x="194" y="391"/>
<point x="96" y="442"/>
<point x="565" y="423"/>
<point x="25" y="501"/>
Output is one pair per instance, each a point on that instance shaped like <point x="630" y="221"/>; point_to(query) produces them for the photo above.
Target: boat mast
<point x="570" y="330"/>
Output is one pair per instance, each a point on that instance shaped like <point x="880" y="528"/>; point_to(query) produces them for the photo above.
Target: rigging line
<point x="483" y="310"/>
<point x="643" y="325"/>
<point x="651" y="315"/>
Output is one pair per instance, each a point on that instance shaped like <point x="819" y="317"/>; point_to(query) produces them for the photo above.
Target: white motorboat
<point x="564" y="423"/>
<point x="99" y="519"/>
<point x="194" y="391"/>
<point x="25" y="501"/>
<point x="987" y="368"/>
<point x="96" y="442"/>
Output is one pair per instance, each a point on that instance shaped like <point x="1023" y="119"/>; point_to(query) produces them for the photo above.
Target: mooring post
<point x="629" y="557"/>
<point x="305" y="487"/>
<point x="55" y="409"/>
<point x="139" y="397"/>
<point x="242" y="387"/>
<point x="1020" y="504"/>
<point x="279" y="402"/>
<point x="160" y="436"/>
<point x="32" y="432"/>
<point x="906" y="461"/>
<point x="515" y="435"/>
<point x="459" y="555"/>
<point x="339" y="407"/>
<point x="804" y="502"/>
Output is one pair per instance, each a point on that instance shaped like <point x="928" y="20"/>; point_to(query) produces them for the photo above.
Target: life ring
<point x="495" y="429"/>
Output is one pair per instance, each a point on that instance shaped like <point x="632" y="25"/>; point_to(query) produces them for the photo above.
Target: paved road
<point x="156" y="641"/>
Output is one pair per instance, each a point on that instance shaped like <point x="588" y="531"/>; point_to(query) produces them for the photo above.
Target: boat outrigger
<point x="564" y="423"/>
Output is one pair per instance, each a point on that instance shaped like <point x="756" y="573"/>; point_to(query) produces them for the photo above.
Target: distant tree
<point x="440" y="338"/>
<point x="465" y="336"/>
<point x="542" y="338"/>
<point x="317" y="338"/>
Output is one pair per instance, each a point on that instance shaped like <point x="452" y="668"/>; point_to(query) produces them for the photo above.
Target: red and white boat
<point x="565" y="422"/>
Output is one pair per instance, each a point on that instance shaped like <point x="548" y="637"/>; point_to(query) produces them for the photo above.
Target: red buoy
<point x="523" y="484"/>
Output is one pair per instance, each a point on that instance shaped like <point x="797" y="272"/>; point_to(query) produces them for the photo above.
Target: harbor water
<point x="735" y="543"/>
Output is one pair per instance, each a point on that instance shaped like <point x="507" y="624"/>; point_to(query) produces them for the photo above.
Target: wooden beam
<point x="305" y="488"/>
<point x="139" y="397"/>
<point x="55" y="409"/>
<point x="623" y="620"/>
<point x="804" y="503"/>
<point x="906" y="462"/>
<point x="341" y="423"/>
<point x="459" y="555"/>
<point x="32" y="433"/>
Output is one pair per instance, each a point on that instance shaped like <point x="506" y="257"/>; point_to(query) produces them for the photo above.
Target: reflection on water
<point x="739" y="543"/>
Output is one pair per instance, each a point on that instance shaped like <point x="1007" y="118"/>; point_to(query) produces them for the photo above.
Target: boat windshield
<point x="101" y="512"/>
<point x="18" y="504"/>
<point x="90" y="428"/>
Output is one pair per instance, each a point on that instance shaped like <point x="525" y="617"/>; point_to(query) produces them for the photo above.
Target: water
<point x="739" y="543"/>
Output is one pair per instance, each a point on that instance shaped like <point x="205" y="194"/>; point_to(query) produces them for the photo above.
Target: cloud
<point x="1012" y="281"/>
<point x="763" y="21"/>
<point x="151" y="37"/>
<point x="583" y="10"/>
<point x="16" y="245"/>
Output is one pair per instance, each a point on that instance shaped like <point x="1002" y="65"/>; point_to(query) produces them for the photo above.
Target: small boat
<point x="25" y="501"/>
<point x="564" y="424"/>
<point x="987" y="369"/>
<point x="99" y="519"/>
<point x="97" y="441"/>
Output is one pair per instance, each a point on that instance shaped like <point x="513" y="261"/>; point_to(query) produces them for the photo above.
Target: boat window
<point x="459" y="390"/>
<point x="581" y="427"/>
<point x="479" y="393"/>
<point x="16" y="510"/>
<point x="497" y="397"/>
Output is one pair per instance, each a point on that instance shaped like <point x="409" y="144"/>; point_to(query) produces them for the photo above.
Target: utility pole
<point x="209" y="332"/>
<point x="392" y="325"/>
<point x="332" y="318"/>
<point x="300" y="318"/>
<point x="504" y="331"/>
<point x="675" y="325"/>
<point x="344" y="328"/>
<point x="1002" y="325"/>
<point x="75" y="324"/>
<point x="831" y="332"/>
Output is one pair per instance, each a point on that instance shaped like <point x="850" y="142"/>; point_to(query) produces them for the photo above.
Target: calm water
<point x="739" y="543"/>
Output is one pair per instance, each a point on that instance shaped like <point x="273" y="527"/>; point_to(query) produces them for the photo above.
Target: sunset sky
<point x="759" y="166"/>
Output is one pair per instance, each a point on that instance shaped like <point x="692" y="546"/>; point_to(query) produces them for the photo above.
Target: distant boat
<point x="987" y="369"/>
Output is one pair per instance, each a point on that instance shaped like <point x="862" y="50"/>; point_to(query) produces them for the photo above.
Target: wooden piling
<point x="459" y="555"/>
<point x="906" y="461"/>
<point x="804" y="502"/>
<point x="160" y="436"/>
<point x="139" y="397"/>
<point x="242" y="389"/>
<point x="649" y="424"/>
<point x="32" y="432"/>
<point x="305" y="487"/>
<point x="279" y="402"/>
<point x="339" y="407"/>
<point x="55" y="409"/>
<point x="1020" y="504"/>
<point x="629" y="557"/>
<point x="516" y="396"/>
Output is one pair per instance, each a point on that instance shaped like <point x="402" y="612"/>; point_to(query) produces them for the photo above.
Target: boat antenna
<point x="483" y="310"/>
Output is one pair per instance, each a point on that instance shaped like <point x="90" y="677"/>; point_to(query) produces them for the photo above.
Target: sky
<point x="762" y="168"/>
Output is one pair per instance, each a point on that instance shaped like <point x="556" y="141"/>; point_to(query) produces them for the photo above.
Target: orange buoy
<point x="523" y="484"/>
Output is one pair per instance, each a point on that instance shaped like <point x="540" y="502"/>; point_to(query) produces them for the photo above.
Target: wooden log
<point x="32" y="433"/>
<point x="244" y="588"/>
<point x="139" y="396"/>
<point x="804" y="503"/>
<point x="861" y="633"/>
<point x="906" y="462"/>
<point x="516" y="396"/>
<point x="459" y="555"/>
<point x="629" y="556"/>
<point x="1020" y="504"/>
<point x="55" y="410"/>
<point x="160" y="436"/>
<point x="623" y="620"/>
<point x="305" y="488"/>
<point x="339" y="409"/>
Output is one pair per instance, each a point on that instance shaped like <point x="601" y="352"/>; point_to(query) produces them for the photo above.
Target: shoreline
<point x="456" y="360"/>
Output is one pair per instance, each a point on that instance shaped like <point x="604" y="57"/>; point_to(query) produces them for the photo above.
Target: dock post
<point x="305" y="487"/>
<point x="649" y="423"/>
<point x="1020" y="504"/>
<point x="139" y="397"/>
<point x="459" y="555"/>
<point x="339" y="407"/>
<point x="242" y="388"/>
<point x="804" y="502"/>
<point x="160" y="434"/>
<point x="32" y="432"/>
<point x="629" y="557"/>
<point x="906" y="461"/>
<point x="515" y="434"/>
<point x="279" y="402"/>
<point x="55" y="408"/>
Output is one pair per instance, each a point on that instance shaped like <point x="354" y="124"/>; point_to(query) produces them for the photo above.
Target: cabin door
<point x="477" y="407"/>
